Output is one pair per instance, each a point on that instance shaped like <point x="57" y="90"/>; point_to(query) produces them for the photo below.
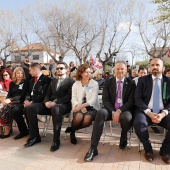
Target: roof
<point x="34" y="47"/>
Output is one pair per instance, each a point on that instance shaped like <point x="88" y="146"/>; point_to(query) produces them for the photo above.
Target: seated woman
<point x="5" y="76"/>
<point x="98" y="77"/>
<point x="84" y="100"/>
<point x="13" y="102"/>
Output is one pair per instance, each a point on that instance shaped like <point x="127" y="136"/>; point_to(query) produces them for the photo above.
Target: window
<point x="35" y="57"/>
<point x="18" y="58"/>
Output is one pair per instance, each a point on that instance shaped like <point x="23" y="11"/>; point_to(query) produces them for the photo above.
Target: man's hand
<point x="26" y="103"/>
<point x="156" y="118"/>
<point x="116" y="116"/>
<point x="53" y="104"/>
<point x="48" y="104"/>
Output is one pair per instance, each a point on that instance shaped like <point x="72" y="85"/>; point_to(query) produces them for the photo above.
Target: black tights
<point x="80" y="121"/>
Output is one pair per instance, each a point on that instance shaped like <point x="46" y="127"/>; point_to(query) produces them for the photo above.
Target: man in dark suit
<point x="38" y="86"/>
<point x="118" y="99"/>
<point x="152" y="98"/>
<point x="57" y="103"/>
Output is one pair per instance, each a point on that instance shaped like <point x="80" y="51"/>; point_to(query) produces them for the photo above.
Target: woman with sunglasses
<point x="84" y="100"/>
<point x="13" y="102"/>
<point x="5" y="76"/>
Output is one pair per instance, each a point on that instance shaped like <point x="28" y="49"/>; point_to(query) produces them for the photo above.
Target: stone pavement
<point x="13" y="156"/>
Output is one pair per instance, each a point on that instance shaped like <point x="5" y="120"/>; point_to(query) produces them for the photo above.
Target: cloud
<point x="125" y="26"/>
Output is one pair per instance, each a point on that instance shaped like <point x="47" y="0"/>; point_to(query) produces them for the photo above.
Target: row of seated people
<point x="43" y="96"/>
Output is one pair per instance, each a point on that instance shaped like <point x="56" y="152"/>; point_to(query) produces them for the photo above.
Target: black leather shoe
<point x="73" y="139"/>
<point x="90" y="155"/>
<point x="33" y="141"/>
<point x="21" y="135"/>
<point x="55" y="146"/>
<point x="149" y="156"/>
<point x="123" y="142"/>
<point x="166" y="158"/>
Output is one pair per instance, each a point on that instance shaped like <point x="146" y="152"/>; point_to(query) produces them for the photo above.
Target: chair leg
<point x="130" y="137"/>
<point x="46" y="124"/>
<point x="68" y="123"/>
<point x="104" y="134"/>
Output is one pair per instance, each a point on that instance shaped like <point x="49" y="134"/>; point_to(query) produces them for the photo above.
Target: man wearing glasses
<point x="57" y="103"/>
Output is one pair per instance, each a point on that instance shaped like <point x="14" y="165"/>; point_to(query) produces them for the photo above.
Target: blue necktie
<point x="156" y="96"/>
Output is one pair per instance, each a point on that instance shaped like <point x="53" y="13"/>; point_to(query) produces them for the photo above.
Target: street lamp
<point x="127" y="62"/>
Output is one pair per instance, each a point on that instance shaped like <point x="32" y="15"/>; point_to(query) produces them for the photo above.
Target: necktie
<point x="118" y="100"/>
<point x="35" y="79"/>
<point x="59" y="82"/>
<point x="156" y="96"/>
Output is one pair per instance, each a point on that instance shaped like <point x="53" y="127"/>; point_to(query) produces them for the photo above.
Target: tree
<point x="154" y="36"/>
<point x="115" y="27"/>
<point x="7" y="33"/>
<point x="163" y="9"/>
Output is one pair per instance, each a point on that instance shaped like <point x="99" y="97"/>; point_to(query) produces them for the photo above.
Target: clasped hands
<point x="79" y="107"/>
<point x="50" y="104"/>
<point x="156" y="117"/>
<point x="116" y="116"/>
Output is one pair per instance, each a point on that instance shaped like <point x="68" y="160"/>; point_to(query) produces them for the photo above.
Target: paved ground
<point x="13" y="156"/>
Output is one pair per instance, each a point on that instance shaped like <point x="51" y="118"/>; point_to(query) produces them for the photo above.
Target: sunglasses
<point x="60" y="68"/>
<point x="5" y="75"/>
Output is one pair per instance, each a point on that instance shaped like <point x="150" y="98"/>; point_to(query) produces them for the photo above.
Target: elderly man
<point x="118" y="100"/>
<point x="152" y="98"/>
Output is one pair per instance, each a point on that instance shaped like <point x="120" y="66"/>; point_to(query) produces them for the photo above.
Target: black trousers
<point x="56" y="111"/>
<point x="102" y="116"/>
<point x="17" y="114"/>
<point x="141" y="123"/>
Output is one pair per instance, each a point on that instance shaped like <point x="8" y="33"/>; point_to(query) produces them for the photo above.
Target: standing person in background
<point x="6" y="77"/>
<point x="52" y="68"/>
<point x="98" y="76"/>
<point x="167" y="72"/>
<point x="73" y="68"/>
<point x="133" y="74"/>
<point x="25" y="66"/>
<point x="42" y="65"/>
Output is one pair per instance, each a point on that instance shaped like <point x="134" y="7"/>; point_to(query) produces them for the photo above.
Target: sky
<point x="14" y="4"/>
<point x="17" y="4"/>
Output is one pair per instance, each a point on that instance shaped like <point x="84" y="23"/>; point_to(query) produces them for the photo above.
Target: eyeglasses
<point x="60" y="68"/>
<point x="5" y="75"/>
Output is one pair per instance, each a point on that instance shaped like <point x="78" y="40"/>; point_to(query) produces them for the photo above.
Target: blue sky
<point x="14" y="4"/>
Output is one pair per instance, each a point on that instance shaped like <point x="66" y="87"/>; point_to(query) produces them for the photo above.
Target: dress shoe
<point x="90" y="155"/>
<point x="33" y="141"/>
<point x="8" y="135"/>
<point x="55" y="146"/>
<point x="166" y="158"/>
<point x="149" y="156"/>
<point x="21" y="135"/>
<point x="123" y="142"/>
<point x="73" y="139"/>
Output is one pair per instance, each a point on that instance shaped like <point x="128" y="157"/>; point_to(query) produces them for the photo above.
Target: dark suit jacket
<point x="39" y="90"/>
<point x="144" y="91"/>
<point x="62" y="95"/>
<point x="109" y="94"/>
<point x="17" y="92"/>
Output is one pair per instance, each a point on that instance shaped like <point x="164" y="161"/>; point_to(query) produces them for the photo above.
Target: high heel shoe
<point x="6" y="136"/>
<point x="73" y="139"/>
